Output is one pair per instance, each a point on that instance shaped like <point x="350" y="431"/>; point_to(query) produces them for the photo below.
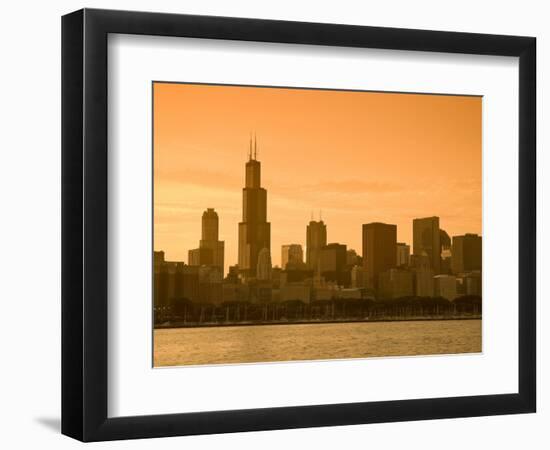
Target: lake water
<point x="263" y="343"/>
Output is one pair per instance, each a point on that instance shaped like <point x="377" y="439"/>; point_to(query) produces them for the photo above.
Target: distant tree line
<point x="185" y="312"/>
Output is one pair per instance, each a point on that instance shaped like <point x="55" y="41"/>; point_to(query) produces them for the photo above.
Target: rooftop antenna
<point x="250" y="148"/>
<point x="255" y="146"/>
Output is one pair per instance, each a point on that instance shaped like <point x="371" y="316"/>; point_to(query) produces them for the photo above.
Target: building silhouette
<point x="444" y="239"/>
<point x="254" y="230"/>
<point x="276" y="275"/>
<point x="296" y="291"/>
<point x="403" y="254"/>
<point x="333" y="264"/>
<point x="423" y="275"/>
<point x="200" y="257"/>
<point x="173" y="280"/>
<point x="437" y="267"/>
<point x="210" y="227"/>
<point x="395" y="283"/>
<point x="446" y="254"/>
<point x="379" y="250"/>
<point x="466" y="253"/>
<point x="294" y="274"/>
<point x="210" y="283"/>
<point x="426" y="240"/>
<point x="263" y="271"/>
<point x="445" y="286"/>
<point x="352" y="258"/>
<point x="316" y="239"/>
<point x="358" y="277"/>
<point x="470" y="283"/>
<point x="293" y="254"/>
<point x="211" y="250"/>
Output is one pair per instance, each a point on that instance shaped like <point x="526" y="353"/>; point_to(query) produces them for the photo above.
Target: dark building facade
<point x="426" y="240"/>
<point x="211" y="250"/>
<point x="210" y="237"/>
<point x="333" y="264"/>
<point x="200" y="257"/>
<point x="254" y="230"/>
<point x="316" y="239"/>
<point x="466" y="253"/>
<point x="379" y="250"/>
<point x="291" y="254"/>
<point x="173" y="280"/>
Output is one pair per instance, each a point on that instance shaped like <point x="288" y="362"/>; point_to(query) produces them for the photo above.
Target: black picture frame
<point x="84" y="224"/>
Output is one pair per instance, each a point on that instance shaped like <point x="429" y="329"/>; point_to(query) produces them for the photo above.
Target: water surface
<point x="263" y="343"/>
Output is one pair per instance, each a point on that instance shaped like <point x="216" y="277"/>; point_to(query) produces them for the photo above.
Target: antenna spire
<point x="255" y="146"/>
<point x="250" y="148"/>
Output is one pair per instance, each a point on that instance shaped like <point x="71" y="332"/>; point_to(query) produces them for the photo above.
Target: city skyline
<point x="304" y="248"/>
<point x="381" y="250"/>
<point x="189" y="177"/>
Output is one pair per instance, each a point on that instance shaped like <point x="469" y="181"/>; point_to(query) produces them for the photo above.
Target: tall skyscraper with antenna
<point x="254" y="230"/>
<point x="316" y="239"/>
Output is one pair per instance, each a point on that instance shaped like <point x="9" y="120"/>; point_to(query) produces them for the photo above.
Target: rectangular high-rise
<point x="200" y="257"/>
<point x="403" y="254"/>
<point x="395" y="283"/>
<point x="466" y="253"/>
<point x="379" y="250"/>
<point x="316" y="239"/>
<point x="426" y="241"/>
<point x="211" y="250"/>
<point x="210" y="240"/>
<point x="293" y="254"/>
<point x="332" y="264"/>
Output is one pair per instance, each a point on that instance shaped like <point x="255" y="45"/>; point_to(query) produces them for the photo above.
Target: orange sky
<point x="358" y="156"/>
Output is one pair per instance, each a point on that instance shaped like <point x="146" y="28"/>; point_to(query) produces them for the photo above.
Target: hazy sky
<point x="358" y="156"/>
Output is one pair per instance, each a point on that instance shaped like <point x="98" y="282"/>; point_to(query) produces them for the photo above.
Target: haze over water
<point x="268" y="343"/>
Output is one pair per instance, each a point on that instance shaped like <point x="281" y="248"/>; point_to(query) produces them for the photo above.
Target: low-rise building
<point x="423" y="282"/>
<point x="395" y="283"/>
<point x="445" y="286"/>
<point x="296" y="291"/>
<point x="469" y="283"/>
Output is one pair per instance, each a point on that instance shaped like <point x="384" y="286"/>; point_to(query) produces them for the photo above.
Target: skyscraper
<point x="403" y="254"/>
<point x="332" y="264"/>
<point x="254" y="230"/>
<point x="379" y="250"/>
<point x="445" y="243"/>
<point x="291" y="253"/>
<point x="200" y="257"/>
<point x="210" y="237"/>
<point x="263" y="271"/>
<point x="352" y="258"/>
<point x="445" y="286"/>
<point x="426" y="240"/>
<point x="466" y="253"/>
<point x="423" y="275"/>
<point x="211" y="250"/>
<point x="358" y="277"/>
<point x="395" y="283"/>
<point x="316" y="239"/>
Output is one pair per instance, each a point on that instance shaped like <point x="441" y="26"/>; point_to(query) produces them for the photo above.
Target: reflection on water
<point x="262" y="343"/>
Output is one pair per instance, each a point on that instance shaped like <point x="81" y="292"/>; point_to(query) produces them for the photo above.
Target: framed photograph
<point x="272" y="224"/>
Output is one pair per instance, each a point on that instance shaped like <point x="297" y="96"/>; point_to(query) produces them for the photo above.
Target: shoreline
<point x="311" y="322"/>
